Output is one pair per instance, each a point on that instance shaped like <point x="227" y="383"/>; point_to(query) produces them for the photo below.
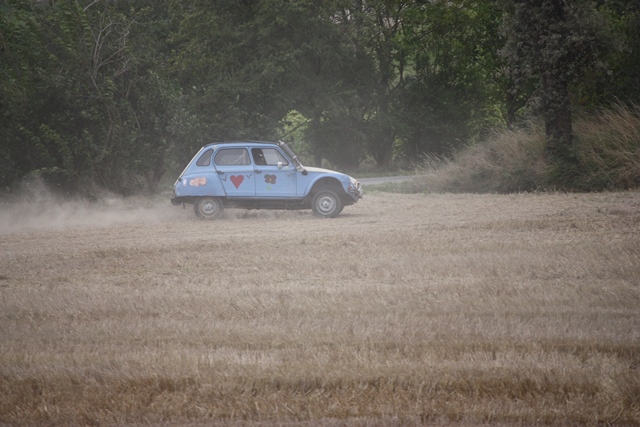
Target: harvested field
<point x="406" y="310"/>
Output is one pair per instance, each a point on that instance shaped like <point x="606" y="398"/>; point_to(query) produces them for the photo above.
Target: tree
<point x="113" y="92"/>
<point x="84" y="103"/>
<point x="555" y="41"/>
<point x="372" y="27"/>
<point x="18" y="61"/>
<point x="449" y="89"/>
<point x="231" y="63"/>
<point x="334" y="81"/>
<point x="621" y="83"/>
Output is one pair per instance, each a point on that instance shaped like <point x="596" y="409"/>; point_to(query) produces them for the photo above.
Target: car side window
<point x="205" y="159"/>
<point x="268" y="157"/>
<point x="232" y="157"/>
<point x="258" y="157"/>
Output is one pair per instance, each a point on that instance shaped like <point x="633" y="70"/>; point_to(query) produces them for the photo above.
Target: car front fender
<point x="325" y="181"/>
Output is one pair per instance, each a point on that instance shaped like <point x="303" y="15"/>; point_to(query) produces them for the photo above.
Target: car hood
<point x="321" y="170"/>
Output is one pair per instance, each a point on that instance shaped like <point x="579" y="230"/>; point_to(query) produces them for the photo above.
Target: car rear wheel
<point x="208" y="207"/>
<point x="326" y="204"/>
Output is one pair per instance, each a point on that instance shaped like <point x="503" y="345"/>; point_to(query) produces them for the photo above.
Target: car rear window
<point x="205" y="159"/>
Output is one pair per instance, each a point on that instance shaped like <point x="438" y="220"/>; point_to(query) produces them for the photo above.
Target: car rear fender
<point x="205" y="183"/>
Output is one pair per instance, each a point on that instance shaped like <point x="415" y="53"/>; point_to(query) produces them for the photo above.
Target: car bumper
<point x="354" y="189"/>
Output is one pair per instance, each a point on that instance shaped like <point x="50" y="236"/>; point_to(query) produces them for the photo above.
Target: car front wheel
<point x="208" y="207"/>
<point x="326" y="204"/>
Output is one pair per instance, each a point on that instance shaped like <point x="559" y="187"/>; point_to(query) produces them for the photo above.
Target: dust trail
<point x="35" y="207"/>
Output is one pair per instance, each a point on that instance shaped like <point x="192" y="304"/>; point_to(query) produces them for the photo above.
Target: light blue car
<point x="260" y="175"/>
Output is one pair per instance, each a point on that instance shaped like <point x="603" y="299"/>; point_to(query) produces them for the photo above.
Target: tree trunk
<point x="558" y="119"/>
<point x="383" y="133"/>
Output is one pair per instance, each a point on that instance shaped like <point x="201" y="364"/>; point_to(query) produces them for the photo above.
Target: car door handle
<point x="220" y="172"/>
<point x="257" y="171"/>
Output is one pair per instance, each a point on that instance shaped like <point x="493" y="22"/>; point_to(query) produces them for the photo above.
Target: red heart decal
<point x="237" y="180"/>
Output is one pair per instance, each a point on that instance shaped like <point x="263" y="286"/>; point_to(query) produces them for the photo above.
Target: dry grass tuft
<point x="406" y="310"/>
<point x="606" y="147"/>
<point x="609" y="151"/>
<point x="510" y="161"/>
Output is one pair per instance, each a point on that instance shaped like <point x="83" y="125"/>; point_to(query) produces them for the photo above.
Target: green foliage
<point x="450" y="83"/>
<point x="341" y="137"/>
<point x="293" y="128"/>
<point x="84" y="105"/>
<point x="622" y="83"/>
<point x="112" y="94"/>
<point x="231" y="67"/>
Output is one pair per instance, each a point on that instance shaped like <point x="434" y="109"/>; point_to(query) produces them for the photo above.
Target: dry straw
<point x="606" y="148"/>
<point x="406" y="310"/>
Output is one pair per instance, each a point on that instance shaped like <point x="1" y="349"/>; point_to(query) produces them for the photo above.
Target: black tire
<point x="326" y="204"/>
<point x="208" y="207"/>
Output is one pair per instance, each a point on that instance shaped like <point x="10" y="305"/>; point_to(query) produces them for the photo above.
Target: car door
<point x="236" y="172"/>
<point x="275" y="175"/>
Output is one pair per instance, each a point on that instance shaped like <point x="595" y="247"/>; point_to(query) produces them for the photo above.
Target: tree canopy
<point x="113" y="93"/>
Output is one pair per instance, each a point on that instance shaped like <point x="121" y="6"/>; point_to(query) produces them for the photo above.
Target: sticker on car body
<point x="197" y="182"/>
<point x="236" y="180"/>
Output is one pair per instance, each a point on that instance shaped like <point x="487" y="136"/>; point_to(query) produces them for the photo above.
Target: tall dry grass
<point x="510" y="161"/>
<point x="606" y="147"/>
<point x="405" y="310"/>
<point x="609" y="150"/>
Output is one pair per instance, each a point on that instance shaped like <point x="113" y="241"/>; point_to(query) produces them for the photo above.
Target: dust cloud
<point x="34" y="207"/>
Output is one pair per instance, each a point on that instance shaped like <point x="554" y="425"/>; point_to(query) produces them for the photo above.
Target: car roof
<point x="240" y="143"/>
